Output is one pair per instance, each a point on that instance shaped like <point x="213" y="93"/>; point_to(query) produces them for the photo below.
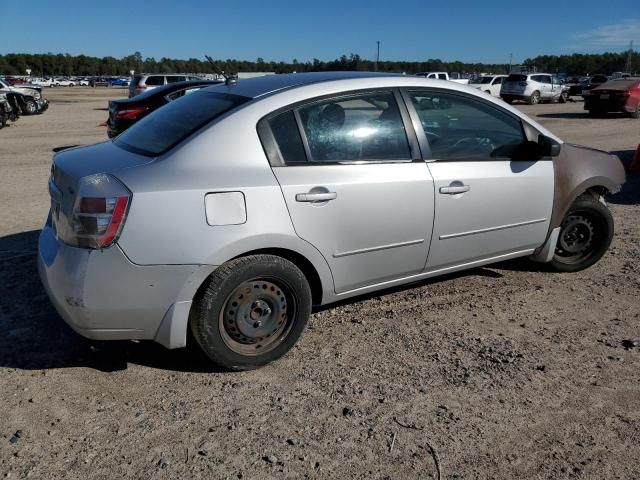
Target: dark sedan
<point x="124" y="113"/>
<point x="621" y="95"/>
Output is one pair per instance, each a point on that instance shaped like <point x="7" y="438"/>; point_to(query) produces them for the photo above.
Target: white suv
<point x="532" y="88"/>
<point x="142" y="83"/>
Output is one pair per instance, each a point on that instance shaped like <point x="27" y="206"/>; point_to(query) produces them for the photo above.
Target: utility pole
<point x="627" y="67"/>
<point x="375" y="68"/>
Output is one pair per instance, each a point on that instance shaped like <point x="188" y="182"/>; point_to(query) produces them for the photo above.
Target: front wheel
<point x="29" y="107"/>
<point x="251" y="312"/>
<point x="564" y="96"/>
<point x="585" y="235"/>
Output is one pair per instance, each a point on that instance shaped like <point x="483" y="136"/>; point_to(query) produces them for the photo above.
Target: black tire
<point x="30" y="107"/>
<point x="585" y="235"/>
<point x="3" y="117"/>
<point x="251" y="312"/>
<point x="564" y="96"/>
<point x="534" y="99"/>
<point x="636" y="114"/>
<point x="508" y="100"/>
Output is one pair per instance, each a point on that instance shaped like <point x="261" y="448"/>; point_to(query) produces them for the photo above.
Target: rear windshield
<point x="135" y="81"/>
<point x="622" y="85"/>
<point x="169" y="125"/>
<point x="517" y="78"/>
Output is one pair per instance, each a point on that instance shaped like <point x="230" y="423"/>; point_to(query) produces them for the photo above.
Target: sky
<point x="469" y="31"/>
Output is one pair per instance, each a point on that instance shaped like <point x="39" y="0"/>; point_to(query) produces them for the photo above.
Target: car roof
<point x="261" y="86"/>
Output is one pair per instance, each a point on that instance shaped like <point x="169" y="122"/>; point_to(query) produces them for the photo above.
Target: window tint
<point x="545" y="78"/>
<point x="285" y="131"/>
<point x="167" y="126"/>
<point x="442" y="76"/>
<point x="135" y="81"/>
<point x="175" y="78"/>
<point x="460" y="128"/>
<point x="362" y="127"/>
<point x="155" y="80"/>
<point x="498" y="81"/>
<point x="515" y="77"/>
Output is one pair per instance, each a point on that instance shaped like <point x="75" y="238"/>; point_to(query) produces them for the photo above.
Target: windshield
<point x="169" y="125"/>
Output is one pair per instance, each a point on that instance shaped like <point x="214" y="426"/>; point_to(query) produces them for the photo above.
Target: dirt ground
<point x="504" y="372"/>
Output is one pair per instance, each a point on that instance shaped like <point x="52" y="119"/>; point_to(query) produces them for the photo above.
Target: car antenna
<point x="229" y="78"/>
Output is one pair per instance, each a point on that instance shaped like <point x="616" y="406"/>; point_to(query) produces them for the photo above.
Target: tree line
<point x="50" y="64"/>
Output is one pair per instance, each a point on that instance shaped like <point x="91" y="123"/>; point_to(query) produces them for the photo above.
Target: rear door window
<point x="169" y="125"/>
<point x="155" y="80"/>
<point x="365" y="127"/>
<point x="175" y="78"/>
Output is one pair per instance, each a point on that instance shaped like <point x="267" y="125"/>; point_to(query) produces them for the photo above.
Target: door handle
<point x="454" y="189"/>
<point x="316" y="197"/>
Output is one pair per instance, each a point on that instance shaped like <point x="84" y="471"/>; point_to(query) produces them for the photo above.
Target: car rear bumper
<point x="102" y="295"/>
<point x="610" y="105"/>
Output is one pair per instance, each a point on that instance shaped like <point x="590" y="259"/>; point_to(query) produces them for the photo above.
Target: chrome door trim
<point x="491" y="229"/>
<point x="380" y="247"/>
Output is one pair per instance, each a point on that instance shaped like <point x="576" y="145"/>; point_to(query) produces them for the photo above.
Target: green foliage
<point x="50" y="64"/>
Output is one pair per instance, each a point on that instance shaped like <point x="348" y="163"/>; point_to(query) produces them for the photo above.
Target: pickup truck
<point x="453" y="77"/>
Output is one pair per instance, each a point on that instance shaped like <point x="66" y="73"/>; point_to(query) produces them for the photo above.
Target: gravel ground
<point x="501" y="372"/>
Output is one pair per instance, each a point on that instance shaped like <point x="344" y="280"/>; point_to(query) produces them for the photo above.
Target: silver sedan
<point x="236" y="209"/>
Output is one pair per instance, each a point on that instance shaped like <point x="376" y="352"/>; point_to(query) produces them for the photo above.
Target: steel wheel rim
<point x="257" y="316"/>
<point x="579" y="238"/>
<point x="534" y="98"/>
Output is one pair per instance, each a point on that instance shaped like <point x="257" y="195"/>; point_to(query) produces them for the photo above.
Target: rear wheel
<point x="564" y="96"/>
<point x="252" y="311"/>
<point x="585" y="235"/>
<point x="534" y="99"/>
<point x="3" y="116"/>
<point x="636" y="114"/>
<point x="508" y="100"/>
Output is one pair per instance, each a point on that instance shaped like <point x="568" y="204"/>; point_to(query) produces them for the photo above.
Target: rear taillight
<point x="140" y="89"/>
<point x="99" y="212"/>
<point x="131" y="113"/>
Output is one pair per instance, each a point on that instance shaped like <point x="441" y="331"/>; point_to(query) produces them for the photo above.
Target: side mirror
<point x="548" y="146"/>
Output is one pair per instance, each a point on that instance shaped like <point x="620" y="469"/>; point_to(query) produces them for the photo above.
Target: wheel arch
<point x="300" y="261"/>
<point x="579" y="170"/>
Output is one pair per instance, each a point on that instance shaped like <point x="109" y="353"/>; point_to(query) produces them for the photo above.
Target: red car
<point x="620" y="95"/>
<point x="13" y="81"/>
